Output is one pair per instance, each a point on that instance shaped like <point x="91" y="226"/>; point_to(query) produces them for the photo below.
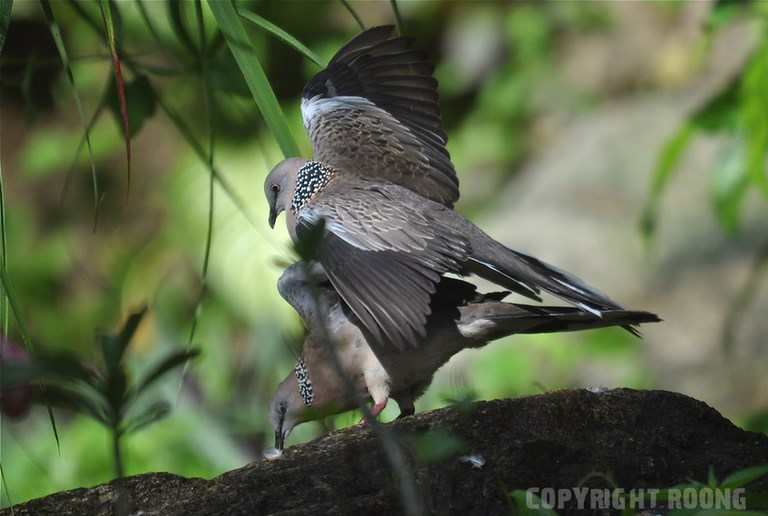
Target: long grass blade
<point x="73" y="164"/>
<point x="176" y="17"/>
<point x="54" y="428"/>
<point x="186" y="132"/>
<point x="5" y="20"/>
<point x="282" y="35"/>
<point x="5" y="489"/>
<point x="14" y="309"/>
<point x="147" y="19"/>
<point x="53" y="26"/>
<point x="398" y="17"/>
<point x="242" y="49"/>
<point x="109" y="26"/>
<point x="209" y="233"/>
<point x="354" y="14"/>
<point x="666" y="165"/>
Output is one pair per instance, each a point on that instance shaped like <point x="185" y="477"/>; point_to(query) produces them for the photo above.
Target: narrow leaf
<point x="745" y="476"/>
<point x="14" y="308"/>
<point x="729" y="187"/>
<point x="52" y="421"/>
<point x="211" y="198"/>
<point x="5" y="484"/>
<point x="182" y="126"/>
<point x="56" y="34"/>
<point x="69" y="399"/>
<point x="113" y="346"/>
<point x="711" y="478"/>
<point x="61" y="366"/>
<point x="241" y="47"/>
<point x="175" y="359"/>
<point x="106" y="15"/>
<point x="354" y="14"/>
<point x="282" y="35"/>
<point x="753" y="111"/>
<point x="5" y="20"/>
<point x="396" y="14"/>
<point x="141" y="104"/>
<point x="152" y="414"/>
<point x="176" y="17"/>
<point x="665" y="167"/>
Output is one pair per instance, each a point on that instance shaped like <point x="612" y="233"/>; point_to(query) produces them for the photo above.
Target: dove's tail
<point x="528" y="276"/>
<point x="483" y="322"/>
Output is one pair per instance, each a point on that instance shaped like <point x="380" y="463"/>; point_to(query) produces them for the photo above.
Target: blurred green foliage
<point x="196" y="134"/>
<point x="738" y="112"/>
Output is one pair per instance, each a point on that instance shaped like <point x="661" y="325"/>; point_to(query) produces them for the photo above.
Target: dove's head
<point x="293" y="403"/>
<point x="311" y="391"/>
<point x="280" y="185"/>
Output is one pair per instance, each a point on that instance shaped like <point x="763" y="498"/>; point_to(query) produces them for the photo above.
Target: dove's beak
<point x="272" y="217"/>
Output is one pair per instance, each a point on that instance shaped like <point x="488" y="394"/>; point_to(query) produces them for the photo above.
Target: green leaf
<point x="4" y="483"/>
<point x="45" y="368"/>
<point x="56" y="35"/>
<point x="729" y="185"/>
<point x="52" y="421"/>
<point x="5" y="20"/>
<point x="70" y="399"/>
<point x="665" y="166"/>
<point x="141" y="103"/>
<point x="152" y="414"/>
<point x="113" y="347"/>
<point x="241" y="47"/>
<point x="745" y="476"/>
<point x="354" y="14"/>
<point x="172" y="361"/>
<point x="282" y="35"/>
<point x="711" y="478"/>
<point x="119" y="83"/>
<point x="520" y="498"/>
<point x="720" y="113"/>
<point x="176" y="17"/>
<point x="754" y="110"/>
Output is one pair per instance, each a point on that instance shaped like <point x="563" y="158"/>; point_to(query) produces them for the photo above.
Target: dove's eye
<point x="275" y="188"/>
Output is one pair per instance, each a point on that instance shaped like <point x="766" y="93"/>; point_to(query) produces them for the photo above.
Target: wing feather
<point x="384" y="256"/>
<point x="374" y="111"/>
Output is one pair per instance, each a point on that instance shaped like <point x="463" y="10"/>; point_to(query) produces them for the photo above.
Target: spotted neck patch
<point x="312" y="177"/>
<point x="305" y="384"/>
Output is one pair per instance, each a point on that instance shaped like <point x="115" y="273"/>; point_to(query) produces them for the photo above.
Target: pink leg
<point x="376" y="409"/>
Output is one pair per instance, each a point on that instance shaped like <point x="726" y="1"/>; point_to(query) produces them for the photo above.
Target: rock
<point x="637" y="438"/>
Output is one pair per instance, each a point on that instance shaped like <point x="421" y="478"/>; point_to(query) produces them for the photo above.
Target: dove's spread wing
<point x="384" y="257"/>
<point x="374" y="112"/>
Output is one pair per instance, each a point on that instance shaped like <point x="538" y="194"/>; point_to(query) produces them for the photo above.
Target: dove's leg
<point x="377" y="382"/>
<point x="406" y="405"/>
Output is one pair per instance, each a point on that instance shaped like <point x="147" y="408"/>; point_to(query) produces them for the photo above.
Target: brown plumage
<point x="385" y="249"/>
<point x="383" y="184"/>
<point x="461" y="318"/>
<point x="375" y="109"/>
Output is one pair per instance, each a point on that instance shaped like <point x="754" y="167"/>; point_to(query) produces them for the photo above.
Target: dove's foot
<point x="376" y="409"/>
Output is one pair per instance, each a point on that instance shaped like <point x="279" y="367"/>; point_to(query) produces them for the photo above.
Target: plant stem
<point x="116" y="453"/>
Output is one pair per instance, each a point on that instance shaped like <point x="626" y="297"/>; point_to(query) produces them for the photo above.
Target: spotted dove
<point x="383" y="185"/>
<point x="460" y="318"/>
